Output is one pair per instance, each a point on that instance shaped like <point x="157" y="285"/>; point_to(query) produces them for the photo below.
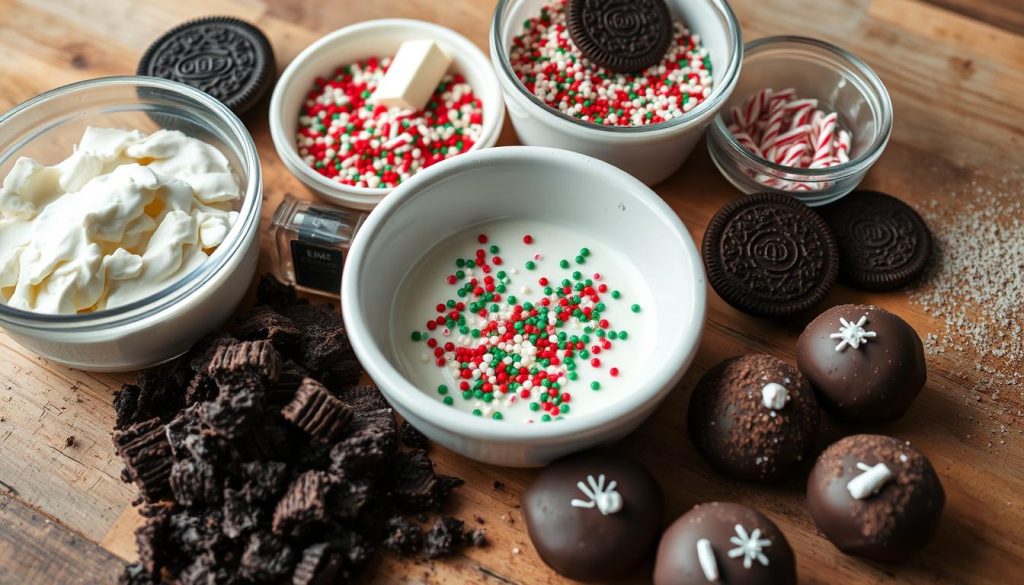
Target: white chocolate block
<point x="414" y="74"/>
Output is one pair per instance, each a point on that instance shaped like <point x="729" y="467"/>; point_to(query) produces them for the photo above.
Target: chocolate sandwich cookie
<point x="625" y="36"/>
<point x="754" y="417"/>
<point x="883" y="243"/>
<point x="227" y="58"/>
<point x="875" y="497"/>
<point x="722" y="542"/>
<point x="865" y="363"/>
<point x="770" y="255"/>
<point x="593" y="516"/>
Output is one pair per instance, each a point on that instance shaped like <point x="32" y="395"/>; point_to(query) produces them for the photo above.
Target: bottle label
<point x="317" y="267"/>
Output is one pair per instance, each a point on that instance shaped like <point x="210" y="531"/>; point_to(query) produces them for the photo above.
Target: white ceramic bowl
<point x="649" y="153"/>
<point x="528" y="183"/>
<point x="166" y="324"/>
<point x="374" y="38"/>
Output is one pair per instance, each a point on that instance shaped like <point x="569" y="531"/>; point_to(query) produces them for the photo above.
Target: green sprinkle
<point x="635" y="308"/>
<point x="623" y="334"/>
<point x="564" y="408"/>
<point x="584" y="252"/>
<point x="613" y="335"/>
<point x="497" y="416"/>
<point x="545" y="417"/>
<point x="564" y="263"/>
<point x="534" y="406"/>
<point x="616" y="294"/>
<point x="580" y="259"/>
<point x="511" y="299"/>
<point x="416" y="336"/>
<point x="577" y="275"/>
<point x="442" y="389"/>
<point x="595" y="385"/>
<point x="573" y="375"/>
<point x="476" y="412"/>
<point x="530" y="265"/>
<point x="450" y="304"/>
<point x="467" y="395"/>
<point x="494" y="249"/>
<point x="448" y="400"/>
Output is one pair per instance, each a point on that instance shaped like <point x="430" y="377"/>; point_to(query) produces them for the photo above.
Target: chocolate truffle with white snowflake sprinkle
<point x="875" y="497"/>
<point x="722" y="542"/>
<point x="865" y="363"/>
<point x="593" y="516"/>
<point x="754" y="417"/>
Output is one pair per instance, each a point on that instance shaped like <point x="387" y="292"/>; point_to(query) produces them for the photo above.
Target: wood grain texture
<point x="35" y="549"/>
<point x="956" y="83"/>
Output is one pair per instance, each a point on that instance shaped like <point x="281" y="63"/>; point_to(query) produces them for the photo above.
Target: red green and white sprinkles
<point x="345" y="137"/>
<point x="552" y="68"/>
<point x="534" y="332"/>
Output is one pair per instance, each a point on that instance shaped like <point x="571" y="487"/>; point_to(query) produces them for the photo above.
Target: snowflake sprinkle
<point x="604" y="497"/>
<point x="749" y="546"/>
<point x="852" y="334"/>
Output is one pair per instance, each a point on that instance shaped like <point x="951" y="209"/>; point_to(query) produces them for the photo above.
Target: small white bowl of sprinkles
<point x="339" y="141"/>
<point x="518" y="304"/>
<point x="645" y="122"/>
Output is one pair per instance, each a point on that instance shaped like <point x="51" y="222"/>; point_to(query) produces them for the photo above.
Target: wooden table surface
<point x="955" y="69"/>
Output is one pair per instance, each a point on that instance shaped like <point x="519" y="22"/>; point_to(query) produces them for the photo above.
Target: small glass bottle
<point x="312" y="242"/>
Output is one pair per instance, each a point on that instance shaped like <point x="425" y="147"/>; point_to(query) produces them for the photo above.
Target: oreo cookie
<point x="883" y="243"/>
<point x="625" y="36"/>
<point x="227" y="58"/>
<point x="770" y="255"/>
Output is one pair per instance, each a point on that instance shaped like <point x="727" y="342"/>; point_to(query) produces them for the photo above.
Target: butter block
<point x="415" y="72"/>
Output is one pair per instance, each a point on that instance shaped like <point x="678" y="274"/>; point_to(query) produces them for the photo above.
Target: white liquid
<point x="425" y="286"/>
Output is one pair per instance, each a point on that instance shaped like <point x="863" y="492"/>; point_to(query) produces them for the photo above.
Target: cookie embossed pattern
<point x="225" y="57"/>
<point x="770" y="255"/>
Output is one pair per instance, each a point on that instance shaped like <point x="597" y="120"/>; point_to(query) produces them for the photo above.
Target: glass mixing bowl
<point x="164" y="325"/>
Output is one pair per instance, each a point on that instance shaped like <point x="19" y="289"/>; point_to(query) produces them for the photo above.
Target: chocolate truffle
<point x="754" y="417"/>
<point x="875" y="497"/>
<point x="725" y="543"/>
<point x="593" y="516"/>
<point x="865" y="363"/>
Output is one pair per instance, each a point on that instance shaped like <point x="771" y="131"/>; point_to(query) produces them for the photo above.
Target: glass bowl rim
<point x="851" y="167"/>
<point x="192" y="281"/>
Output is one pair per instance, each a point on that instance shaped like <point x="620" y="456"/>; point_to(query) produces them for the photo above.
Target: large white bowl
<point x="649" y="153"/>
<point x="373" y="38"/>
<point x="166" y="324"/>
<point x="528" y="183"/>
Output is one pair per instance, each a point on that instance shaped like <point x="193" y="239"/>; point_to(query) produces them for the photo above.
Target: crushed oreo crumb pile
<point x="259" y="459"/>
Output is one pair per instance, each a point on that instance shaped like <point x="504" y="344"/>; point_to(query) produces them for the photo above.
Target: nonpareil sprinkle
<point x="551" y="67"/>
<point x="345" y="137"/>
<point x="500" y="349"/>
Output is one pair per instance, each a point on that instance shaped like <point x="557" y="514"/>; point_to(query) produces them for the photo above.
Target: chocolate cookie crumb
<point x="233" y="488"/>
<point x="322" y="416"/>
<point x="403" y="537"/>
<point x="443" y="537"/>
<point x="411" y="437"/>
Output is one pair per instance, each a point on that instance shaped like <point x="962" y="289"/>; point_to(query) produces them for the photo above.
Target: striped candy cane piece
<point x="826" y="134"/>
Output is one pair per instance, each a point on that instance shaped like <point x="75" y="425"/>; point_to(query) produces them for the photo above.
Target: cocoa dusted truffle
<point x="875" y="497"/>
<point x="754" y="417"/>
<point x="865" y="363"/>
<point x="722" y="542"/>
<point x="593" y="516"/>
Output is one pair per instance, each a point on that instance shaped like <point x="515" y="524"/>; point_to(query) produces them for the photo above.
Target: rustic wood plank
<point x="925" y="54"/>
<point x="36" y="550"/>
<point x="1005" y="14"/>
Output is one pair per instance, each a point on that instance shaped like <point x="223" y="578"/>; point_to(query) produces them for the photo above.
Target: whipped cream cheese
<point x="126" y="215"/>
